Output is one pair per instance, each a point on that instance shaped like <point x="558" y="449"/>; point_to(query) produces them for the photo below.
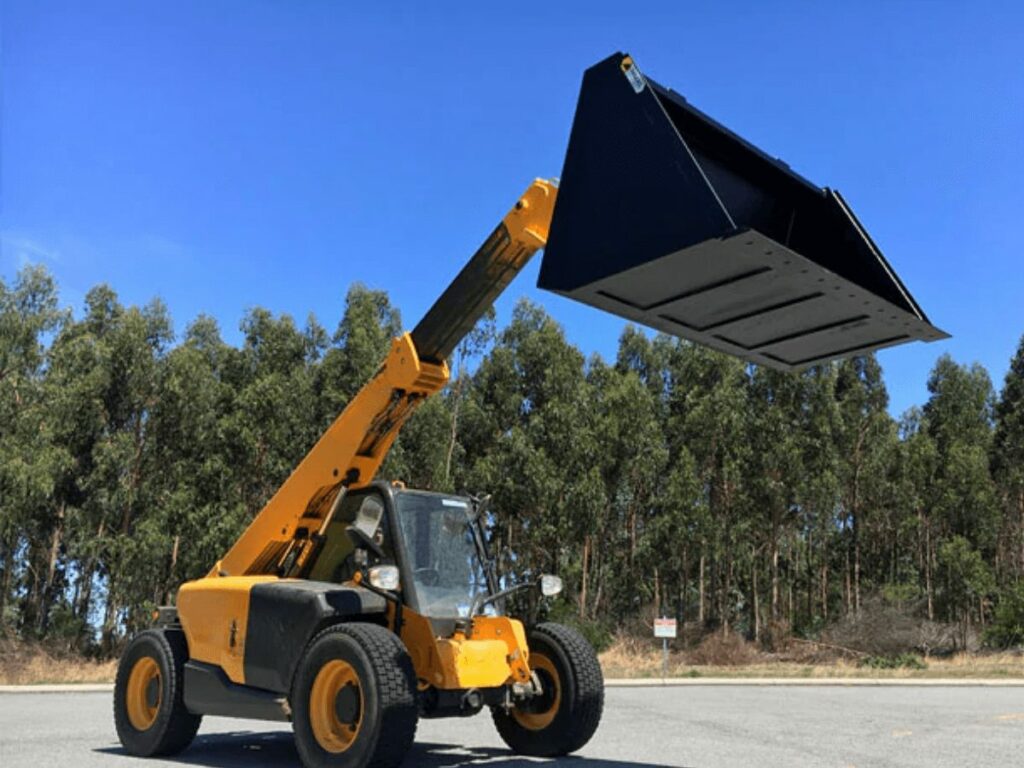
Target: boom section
<point x="352" y="449"/>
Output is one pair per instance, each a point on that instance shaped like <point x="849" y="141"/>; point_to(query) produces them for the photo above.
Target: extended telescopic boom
<point x="351" y="450"/>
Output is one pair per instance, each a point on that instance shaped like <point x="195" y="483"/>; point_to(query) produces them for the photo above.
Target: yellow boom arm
<point x="350" y="452"/>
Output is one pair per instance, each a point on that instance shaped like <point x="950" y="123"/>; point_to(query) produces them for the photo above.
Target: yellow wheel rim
<point x="548" y="674"/>
<point x="145" y="689"/>
<point x="336" y="706"/>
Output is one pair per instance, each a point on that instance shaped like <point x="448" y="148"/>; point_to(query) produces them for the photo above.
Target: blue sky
<point x="223" y="155"/>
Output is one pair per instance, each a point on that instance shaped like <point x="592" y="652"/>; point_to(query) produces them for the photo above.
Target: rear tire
<point x="354" y="699"/>
<point x="565" y="718"/>
<point x="149" y="712"/>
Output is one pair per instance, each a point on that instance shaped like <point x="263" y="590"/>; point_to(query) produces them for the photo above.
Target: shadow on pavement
<point x="248" y="749"/>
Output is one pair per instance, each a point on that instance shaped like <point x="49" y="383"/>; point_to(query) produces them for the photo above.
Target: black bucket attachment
<point x="671" y="220"/>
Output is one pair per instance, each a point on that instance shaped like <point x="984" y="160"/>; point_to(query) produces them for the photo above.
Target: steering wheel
<point x="428" y="577"/>
<point x="344" y="571"/>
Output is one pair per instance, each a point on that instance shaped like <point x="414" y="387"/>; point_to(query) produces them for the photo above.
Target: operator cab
<point x="435" y="539"/>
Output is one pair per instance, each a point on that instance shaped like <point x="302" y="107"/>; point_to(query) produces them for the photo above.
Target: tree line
<point x="673" y="480"/>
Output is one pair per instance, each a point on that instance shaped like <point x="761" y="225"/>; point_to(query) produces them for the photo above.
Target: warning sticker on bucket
<point x="635" y="79"/>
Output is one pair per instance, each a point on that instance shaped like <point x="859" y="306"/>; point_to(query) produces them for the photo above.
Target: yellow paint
<point x="330" y="732"/>
<point x="418" y="637"/>
<point x="494" y="654"/>
<point x="512" y="635"/>
<point x="213" y="611"/>
<point x="473" y="663"/>
<point x="140" y="714"/>
<point x="538" y="721"/>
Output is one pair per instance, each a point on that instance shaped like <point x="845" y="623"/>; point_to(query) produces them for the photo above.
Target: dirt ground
<point x="33" y="665"/>
<point x="631" y="658"/>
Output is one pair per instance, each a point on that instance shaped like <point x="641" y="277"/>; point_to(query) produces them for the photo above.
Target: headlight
<point x="384" y="577"/>
<point x="550" y="585"/>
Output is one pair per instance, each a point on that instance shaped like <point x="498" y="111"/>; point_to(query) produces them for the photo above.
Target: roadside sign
<point x="665" y="628"/>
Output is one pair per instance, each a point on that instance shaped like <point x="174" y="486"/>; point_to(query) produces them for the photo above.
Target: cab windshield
<point x="443" y="557"/>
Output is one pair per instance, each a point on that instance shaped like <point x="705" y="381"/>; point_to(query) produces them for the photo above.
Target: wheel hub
<point x="346" y="705"/>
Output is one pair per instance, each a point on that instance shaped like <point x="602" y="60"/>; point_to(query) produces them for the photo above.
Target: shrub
<point x="723" y="651"/>
<point x="1007" y="628"/>
<point x="598" y="634"/>
<point x="900" y="661"/>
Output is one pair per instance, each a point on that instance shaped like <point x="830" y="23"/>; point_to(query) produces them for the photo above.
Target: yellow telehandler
<point x="351" y="606"/>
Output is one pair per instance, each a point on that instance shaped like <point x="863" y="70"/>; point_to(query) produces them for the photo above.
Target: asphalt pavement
<point x="698" y="727"/>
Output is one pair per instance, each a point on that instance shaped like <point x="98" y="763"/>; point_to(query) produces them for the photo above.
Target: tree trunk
<point x="83" y="603"/>
<point x="681" y="608"/>
<point x="583" y="576"/>
<point x="46" y="594"/>
<point x="756" y="599"/>
<point x="6" y="562"/>
<point x="109" y="626"/>
<point x="824" y="578"/>
<point x="169" y="586"/>
<point x="632" y="535"/>
<point x="789" y="587"/>
<point x="775" y="574"/>
<point x="700" y="590"/>
<point x="809" y="562"/>
<point x="928" y="586"/>
<point x="855" y="513"/>
<point x="848" y="586"/>
<point x="856" y="564"/>
<point x="726" y="591"/>
<point x="1020" y="508"/>
<point x="35" y="565"/>
<point x="454" y="432"/>
<point x="657" y="594"/>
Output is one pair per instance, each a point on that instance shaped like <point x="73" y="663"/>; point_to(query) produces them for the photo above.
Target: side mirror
<point x="384" y="577"/>
<point x="550" y="585"/>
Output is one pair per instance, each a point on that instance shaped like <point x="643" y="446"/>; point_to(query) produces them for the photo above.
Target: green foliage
<point x="900" y="594"/>
<point x="1007" y="630"/>
<point x="600" y="634"/>
<point x="968" y="577"/>
<point x="899" y="661"/>
<point x="675" y="481"/>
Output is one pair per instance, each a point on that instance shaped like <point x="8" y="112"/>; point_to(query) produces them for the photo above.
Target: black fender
<point x="285" y="615"/>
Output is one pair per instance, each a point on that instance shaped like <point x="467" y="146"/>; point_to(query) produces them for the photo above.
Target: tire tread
<point x="586" y="707"/>
<point x="396" y="686"/>
<point x="180" y="725"/>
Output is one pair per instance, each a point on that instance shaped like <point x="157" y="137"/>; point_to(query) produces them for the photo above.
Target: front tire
<point x="353" y="700"/>
<point x="149" y="712"/>
<point x="567" y="715"/>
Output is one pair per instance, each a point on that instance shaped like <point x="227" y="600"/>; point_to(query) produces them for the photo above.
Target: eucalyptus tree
<point x="864" y="440"/>
<point x="29" y="461"/>
<point x="1008" y="461"/>
<point x="775" y="468"/>
<point x="706" y="415"/>
<point x="958" y="416"/>
<point x="529" y="441"/>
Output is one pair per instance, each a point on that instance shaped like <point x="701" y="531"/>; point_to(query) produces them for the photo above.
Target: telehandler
<point x="352" y="606"/>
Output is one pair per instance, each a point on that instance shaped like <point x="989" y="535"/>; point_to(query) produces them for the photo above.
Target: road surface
<point x="697" y="727"/>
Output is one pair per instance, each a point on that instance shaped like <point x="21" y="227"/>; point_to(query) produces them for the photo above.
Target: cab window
<point x="334" y="561"/>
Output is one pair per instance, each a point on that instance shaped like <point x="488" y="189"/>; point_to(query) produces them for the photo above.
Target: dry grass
<point x="33" y="665"/>
<point x="627" y="658"/>
<point x="632" y="658"/>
